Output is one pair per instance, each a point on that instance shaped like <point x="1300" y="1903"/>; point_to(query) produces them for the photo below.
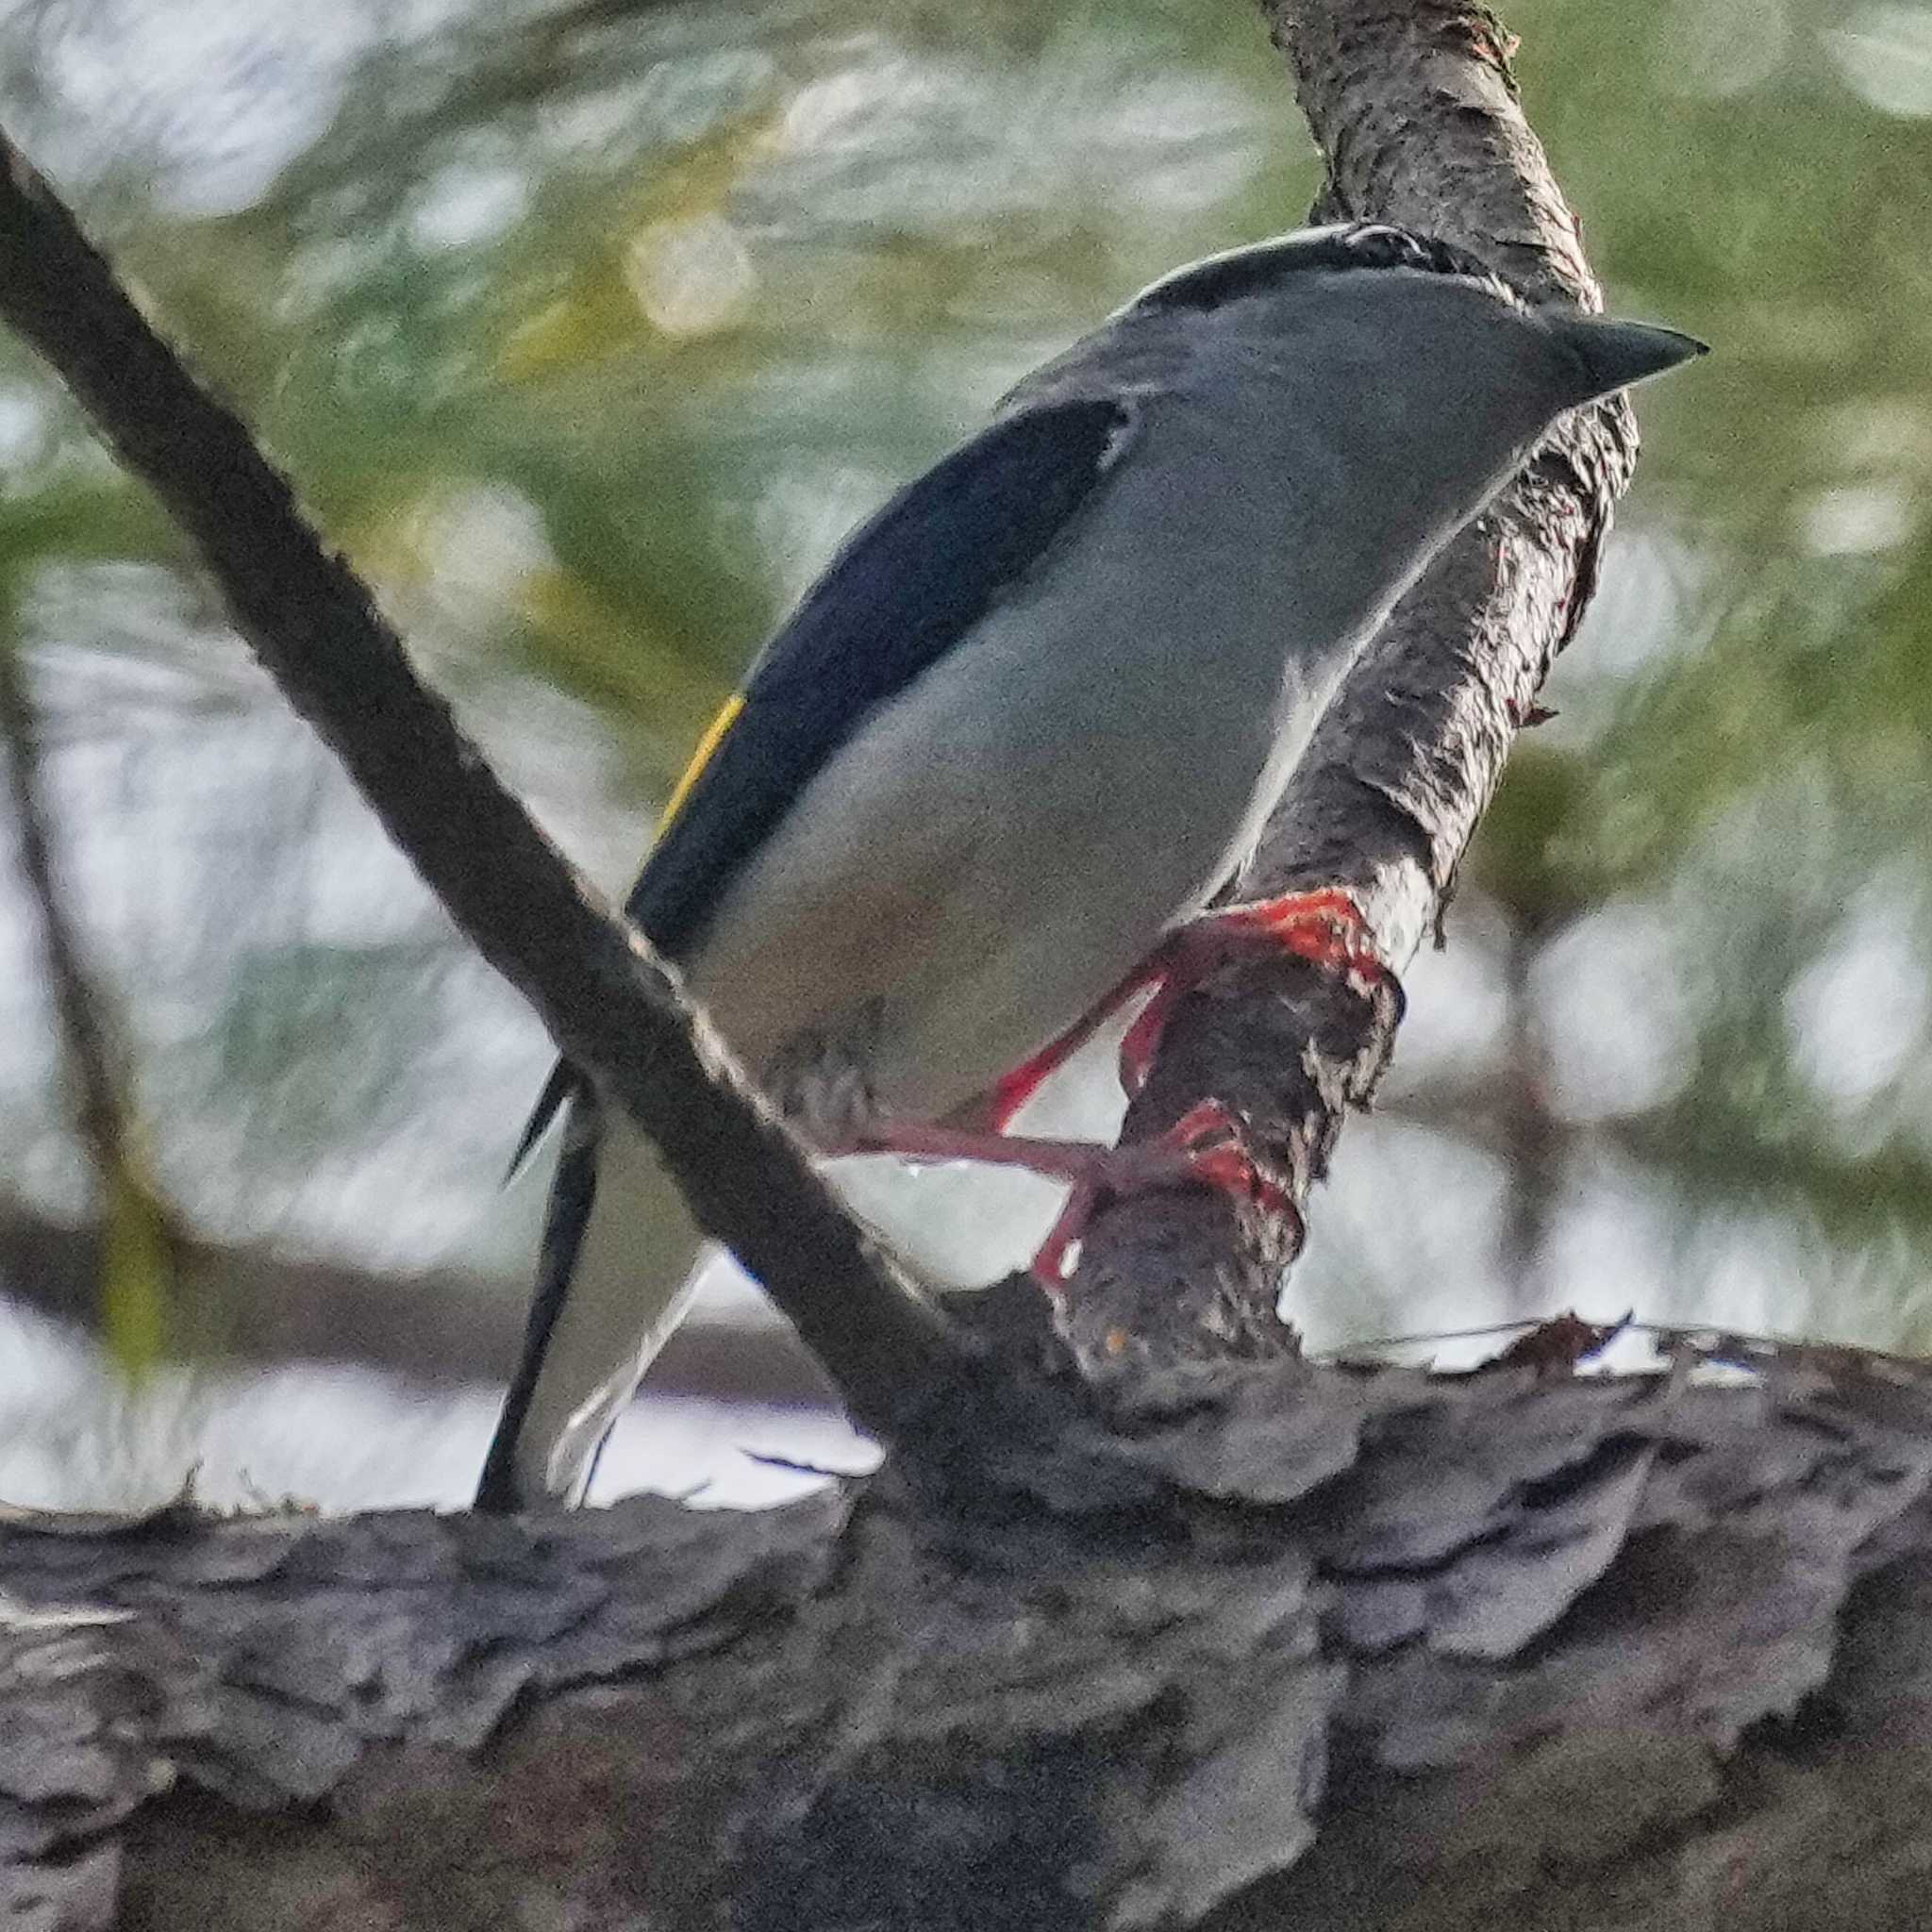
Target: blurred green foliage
<point x="588" y="328"/>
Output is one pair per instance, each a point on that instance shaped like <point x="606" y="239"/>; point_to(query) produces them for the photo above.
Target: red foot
<point x="1206" y="1147"/>
<point x="1213" y="1150"/>
<point x="1324" y="927"/>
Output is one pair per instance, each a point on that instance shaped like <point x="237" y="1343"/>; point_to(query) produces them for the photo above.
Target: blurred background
<point x="585" y="328"/>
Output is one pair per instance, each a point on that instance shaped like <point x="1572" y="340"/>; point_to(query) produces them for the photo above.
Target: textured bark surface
<point x="1564" y="1653"/>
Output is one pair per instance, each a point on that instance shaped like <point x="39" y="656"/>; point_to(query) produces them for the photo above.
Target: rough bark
<point x="1543" y="1655"/>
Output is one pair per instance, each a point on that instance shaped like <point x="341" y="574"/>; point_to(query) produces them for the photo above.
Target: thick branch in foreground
<point x="1413" y="107"/>
<point x="613" y="1008"/>
<point x="1593" y="1656"/>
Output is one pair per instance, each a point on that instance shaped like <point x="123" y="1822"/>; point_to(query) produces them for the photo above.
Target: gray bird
<point x="1031" y="719"/>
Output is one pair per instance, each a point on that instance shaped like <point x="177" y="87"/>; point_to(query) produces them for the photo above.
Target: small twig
<point x="612" y="1005"/>
<point x="77" y="1004"/>
<point x="139" y="1261"/>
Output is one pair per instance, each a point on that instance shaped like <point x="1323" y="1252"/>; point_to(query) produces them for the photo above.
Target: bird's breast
<point x="1002" y="842"/>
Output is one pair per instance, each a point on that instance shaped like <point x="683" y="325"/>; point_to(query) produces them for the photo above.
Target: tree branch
<point x="1414" y="106"/>
<point x="614" y="1009"/>
<point x="253" y="1304"/>
<point x="1583" y="1653"/>
<point x="1536" y="1652"/>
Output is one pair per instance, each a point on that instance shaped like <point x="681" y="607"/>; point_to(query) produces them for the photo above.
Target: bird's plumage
<point x="1261" y="268"/>
<point x="1037" y="710"/>
<point x="900" y="593"/>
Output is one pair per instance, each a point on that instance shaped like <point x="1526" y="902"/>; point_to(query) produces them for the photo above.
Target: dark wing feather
<point x="905" y="588"/>
<point x="572" y="1192"/>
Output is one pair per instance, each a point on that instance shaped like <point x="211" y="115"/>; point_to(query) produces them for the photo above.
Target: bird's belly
<point x="999" y="847"/>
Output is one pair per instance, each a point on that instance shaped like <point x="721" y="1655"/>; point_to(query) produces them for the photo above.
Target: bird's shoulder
<point x="902" y="591"/>
<point x="912" y="578"/>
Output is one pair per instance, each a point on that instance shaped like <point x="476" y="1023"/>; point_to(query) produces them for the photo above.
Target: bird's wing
<point x="905" y="587"/>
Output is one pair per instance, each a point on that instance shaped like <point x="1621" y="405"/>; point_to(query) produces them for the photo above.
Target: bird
<point x="982" y="789"/>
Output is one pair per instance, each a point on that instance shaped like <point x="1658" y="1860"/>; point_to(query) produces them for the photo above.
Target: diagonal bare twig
<point x="613" y="1008"/>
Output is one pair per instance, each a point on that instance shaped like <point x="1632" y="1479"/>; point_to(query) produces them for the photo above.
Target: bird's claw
<point x="1324" y="927"/>
<point x="1207" y="1147"/>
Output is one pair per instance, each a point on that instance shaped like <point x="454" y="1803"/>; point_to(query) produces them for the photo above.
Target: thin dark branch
<point x="253" y="1303"/>
<point x="613" y="1008"/>
<point x="137" y="1274"/>
<point x="1413" y="105"/>
<point x="79" y="1005"/>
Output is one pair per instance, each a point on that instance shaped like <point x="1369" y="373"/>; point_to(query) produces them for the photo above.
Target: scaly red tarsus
<point x="1326" y="927"/>
<point x="1206" y="1147"/>
<point x="1012" y="1090"/>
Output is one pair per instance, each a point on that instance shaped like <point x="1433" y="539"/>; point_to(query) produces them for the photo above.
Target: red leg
<point x="1011" y="1091"/>
<point x="1204" y="1148"/>
<point x="1324" y="927"/>
<point x="1059" y="1160"/>
<point x="1142" y="1041"/>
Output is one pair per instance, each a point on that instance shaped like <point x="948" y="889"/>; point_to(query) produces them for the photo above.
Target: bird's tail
<point x="614" y="1278"/>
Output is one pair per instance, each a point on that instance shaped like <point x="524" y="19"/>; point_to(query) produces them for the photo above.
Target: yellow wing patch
<point x="715" y="733"/>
